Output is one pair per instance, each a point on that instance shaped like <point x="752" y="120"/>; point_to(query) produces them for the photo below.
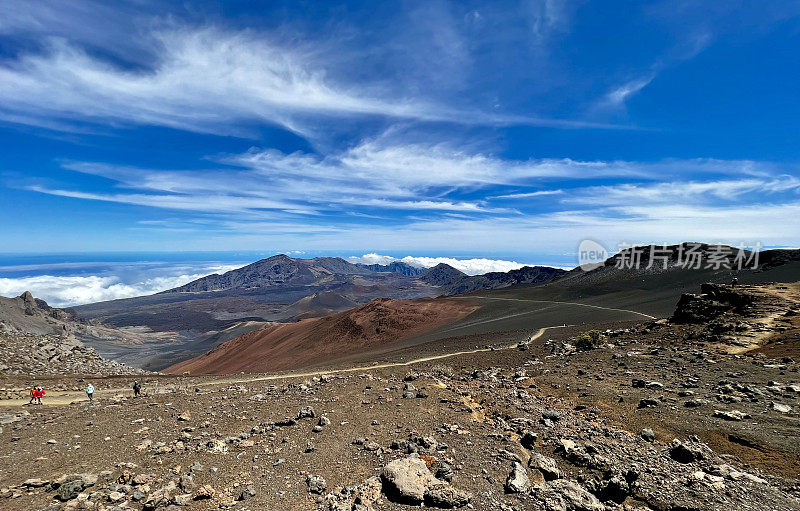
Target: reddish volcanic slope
<point x="311" y="341"/>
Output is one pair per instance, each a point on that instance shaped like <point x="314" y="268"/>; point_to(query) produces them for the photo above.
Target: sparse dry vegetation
<point x="589" y="340"/>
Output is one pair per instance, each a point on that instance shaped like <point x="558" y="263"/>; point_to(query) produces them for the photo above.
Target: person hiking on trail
<point x="39" y="394"/>
<point x="90" y="391"/>
<point x="32" y="393"/>
<point x="137" y="389"/>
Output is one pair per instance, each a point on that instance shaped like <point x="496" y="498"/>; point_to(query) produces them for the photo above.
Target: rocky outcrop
<point x="26" y="314"/>
<point x="51" y="354"/>
<point x="713" y="301"/>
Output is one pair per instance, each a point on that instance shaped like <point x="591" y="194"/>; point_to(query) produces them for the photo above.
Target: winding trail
<point x="60" y="398"/>
<point x="648" y="316"/>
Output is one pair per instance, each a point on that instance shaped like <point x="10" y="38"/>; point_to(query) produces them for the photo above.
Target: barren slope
<point x="287" y="346"/>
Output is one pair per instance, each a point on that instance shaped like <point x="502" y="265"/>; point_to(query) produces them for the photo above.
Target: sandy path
<point x="64" y="398"/>
<point x="67" y="397"/>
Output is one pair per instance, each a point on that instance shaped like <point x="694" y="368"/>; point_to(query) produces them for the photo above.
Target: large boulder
<point x="405" y="480"/>
<point x="568" y="495"/>
<point x="409" y="481"/>
<point x="546" y="465"/>
<point x="70" y="486"/>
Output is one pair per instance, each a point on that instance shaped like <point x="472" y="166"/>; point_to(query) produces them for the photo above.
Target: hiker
<point x="39" y="394"/>
<point x="32" y="393"/>
<point x="90" y="391"/>
<point x="734" y="281"/>
<point x="137" y="389"/>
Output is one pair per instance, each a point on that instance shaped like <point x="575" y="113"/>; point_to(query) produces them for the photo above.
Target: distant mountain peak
<point x="442" y="275"/>
<point x="274" y="271"/>
<point x="445" y="268"/>
<point x="277" y="257"/>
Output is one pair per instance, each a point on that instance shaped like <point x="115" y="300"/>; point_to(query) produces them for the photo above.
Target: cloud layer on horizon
<point x="68" y="290"/>
<point x="473" y="266"/>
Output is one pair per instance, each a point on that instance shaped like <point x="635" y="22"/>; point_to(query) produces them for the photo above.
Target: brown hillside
<point x="292" y="345"/>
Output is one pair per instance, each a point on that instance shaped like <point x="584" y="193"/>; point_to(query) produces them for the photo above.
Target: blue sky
<point x="494" y="129"/>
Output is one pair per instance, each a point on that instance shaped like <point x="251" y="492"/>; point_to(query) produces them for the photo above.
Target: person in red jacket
<point x="39" y="394"/>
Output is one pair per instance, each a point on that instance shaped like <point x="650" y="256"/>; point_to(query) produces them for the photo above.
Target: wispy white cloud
<point x="203" y="80"/>
<point x="197" y="202"/>
<point x="619" y="95"/>
<point x="550" y="232"/>
<point x="381" y="176"/>
<point x="526" y="195"/>
<point x="692" y="45"/>
<point x="684" y="192"/>
<point x="213" y="80"/>
<point x="547" y="17"/>
<point x="376" y="174"/>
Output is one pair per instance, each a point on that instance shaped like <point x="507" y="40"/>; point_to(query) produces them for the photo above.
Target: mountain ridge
<point x="395" y="267"/>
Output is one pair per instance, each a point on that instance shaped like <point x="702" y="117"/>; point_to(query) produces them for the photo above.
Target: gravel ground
<point x="607" y="428"/>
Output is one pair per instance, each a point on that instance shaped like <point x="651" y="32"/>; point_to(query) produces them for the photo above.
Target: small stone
<point x="575" y="496"/>
<point x="35" y="483"/>
<point x="547" y="466"/>
<point x="204" y="492"/>
<point x="683" y="453"/>
<point x="780" y="407"/>
<point x="306" y="412"/>
<point x="648" y="402"/>
<point x="248" y="492"/>
<point x="182" y="499"/>
<point x="551" y="415"/>
<point x="528" y="439"/>
<point x="694" y="403"/>
<point x="445" y="496"/>
<point x="518" y="480"/>
<point x="316" y="484"/>
<point x="732" y="415"/>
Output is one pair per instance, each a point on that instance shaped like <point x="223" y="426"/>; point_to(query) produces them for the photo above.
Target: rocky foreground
<point x="682" y="415"/>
